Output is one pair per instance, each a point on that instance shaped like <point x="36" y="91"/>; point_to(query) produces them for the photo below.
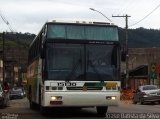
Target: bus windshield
<point x="85" y="32"/>
<point x="81" y="62"/>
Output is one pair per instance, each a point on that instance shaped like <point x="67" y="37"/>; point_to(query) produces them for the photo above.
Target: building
<point x="15" y="64"/>
<point x="144" y="66"/>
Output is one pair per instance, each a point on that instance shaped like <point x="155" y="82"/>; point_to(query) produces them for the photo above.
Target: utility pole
<point x="3" y="58"/>
<point x="126" y="47"/>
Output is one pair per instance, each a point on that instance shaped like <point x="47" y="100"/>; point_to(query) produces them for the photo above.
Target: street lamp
<point x="100" y="13"/>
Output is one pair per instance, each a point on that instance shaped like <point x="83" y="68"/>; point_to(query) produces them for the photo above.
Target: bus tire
<point x="39" y="97"/>
<point x="31" y="104"/>
<point x="2" y="105"/>
<point x="43" y="110"/>
<point x="102" y="111"/>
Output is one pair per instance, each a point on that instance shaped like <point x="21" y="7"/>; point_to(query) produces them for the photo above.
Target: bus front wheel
<point x="31" y="105"/>
<point x="43" y="110"/>
<point x="102" y="111"/>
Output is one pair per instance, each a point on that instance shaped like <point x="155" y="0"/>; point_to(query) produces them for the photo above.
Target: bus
<point x="74" y="64"/>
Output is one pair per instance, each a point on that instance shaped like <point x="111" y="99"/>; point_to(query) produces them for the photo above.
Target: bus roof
<point x="79" y="22"/>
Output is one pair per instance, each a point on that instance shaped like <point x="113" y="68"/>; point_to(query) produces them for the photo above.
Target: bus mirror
<point x="42" y="53"/>
<point x="123" y="56"/>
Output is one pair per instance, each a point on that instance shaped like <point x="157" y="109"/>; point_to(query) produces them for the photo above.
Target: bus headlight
<point x="53" y="98"/>
<point x="56" y="100"/>
<point x="111" y="97"/>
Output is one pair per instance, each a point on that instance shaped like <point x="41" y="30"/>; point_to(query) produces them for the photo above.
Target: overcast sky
<point x="30" y="15"/>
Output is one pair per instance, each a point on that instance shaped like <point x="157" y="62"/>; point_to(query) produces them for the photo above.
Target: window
<point x="83" y="32"/>
<point x="150" y="87"/>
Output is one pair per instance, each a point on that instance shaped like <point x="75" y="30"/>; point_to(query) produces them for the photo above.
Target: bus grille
<point x="82" y="88"/>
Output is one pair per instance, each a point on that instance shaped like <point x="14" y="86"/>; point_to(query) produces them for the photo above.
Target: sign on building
<point x="153" y="73"/>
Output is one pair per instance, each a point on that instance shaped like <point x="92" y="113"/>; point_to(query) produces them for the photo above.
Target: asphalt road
<point x="19" y="109"/>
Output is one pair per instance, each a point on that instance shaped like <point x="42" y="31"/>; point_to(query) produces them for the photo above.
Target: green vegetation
<point x="9" y="43"/>
<point x="137" y="38"/>
<point x="142" y="38"/>
<point x="17" y="39"/>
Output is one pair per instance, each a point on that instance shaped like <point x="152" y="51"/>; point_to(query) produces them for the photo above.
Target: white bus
<point x="74" y="64"/>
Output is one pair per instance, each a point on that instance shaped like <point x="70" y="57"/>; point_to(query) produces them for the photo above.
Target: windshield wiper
<point x="95" y="70"/>
<point x="75" y="67"/>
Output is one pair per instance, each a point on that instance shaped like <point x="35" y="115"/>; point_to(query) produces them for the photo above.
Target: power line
<point x="146" y="16"/>
<point x="6" y="22"/>
<point x="128" y="4"/>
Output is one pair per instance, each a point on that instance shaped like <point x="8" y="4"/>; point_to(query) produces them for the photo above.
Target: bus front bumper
<point x="80" y="99"/>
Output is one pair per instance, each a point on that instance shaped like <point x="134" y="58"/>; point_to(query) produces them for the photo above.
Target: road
<point x="19" y="109"/>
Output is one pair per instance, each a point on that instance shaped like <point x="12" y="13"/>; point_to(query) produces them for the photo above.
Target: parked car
<point x="16" y="93"/>
<point x="3" y="97"/>
<point x="146" y="93"/>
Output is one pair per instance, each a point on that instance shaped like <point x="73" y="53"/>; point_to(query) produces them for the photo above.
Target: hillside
<point x="16" y="48"/>
<point x="137" y="38"/>
<point x="142" y="38"/>
<point x="17" y="39"/>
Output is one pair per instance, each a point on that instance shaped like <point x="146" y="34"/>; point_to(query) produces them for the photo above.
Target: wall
<point x="142" y="56"/>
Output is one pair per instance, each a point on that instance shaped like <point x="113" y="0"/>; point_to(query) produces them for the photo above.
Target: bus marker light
<point x="111" y="84"/>
<point x="47" y="87"/>
<point x="60" y="88"/>
<point x="54" y="88"/>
